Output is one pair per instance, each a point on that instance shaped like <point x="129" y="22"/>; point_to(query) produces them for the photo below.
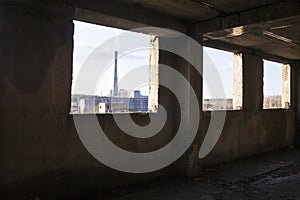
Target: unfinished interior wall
<point x="39" y="146"/>
<point x="296" y="84"/>
<point x="251" y="130"/>
<point x="36" y="55"/>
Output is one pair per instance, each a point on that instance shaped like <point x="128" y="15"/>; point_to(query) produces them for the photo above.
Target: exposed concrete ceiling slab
<point x="180" y="9"/>
<point x="233" y="6"/>
<point x="197" y="10"/>
<point x="270" y="12"/>
<point x="280" y="37"/>
<point x="269" y="26"/>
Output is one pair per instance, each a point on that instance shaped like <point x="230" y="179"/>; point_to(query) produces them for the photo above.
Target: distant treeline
<point x="273" y="101"/>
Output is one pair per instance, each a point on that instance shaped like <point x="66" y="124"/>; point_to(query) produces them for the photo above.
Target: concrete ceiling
<point x="280" y="37"/>
<point x="197" y="10"/>
<point x="267" y="26"/>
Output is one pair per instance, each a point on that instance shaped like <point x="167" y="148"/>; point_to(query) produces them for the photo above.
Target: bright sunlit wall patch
<point x="276" y="85"/>
<point x="114" y="91"/>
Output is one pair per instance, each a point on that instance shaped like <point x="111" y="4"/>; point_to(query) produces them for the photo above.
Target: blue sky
<point x="87" y="37"/>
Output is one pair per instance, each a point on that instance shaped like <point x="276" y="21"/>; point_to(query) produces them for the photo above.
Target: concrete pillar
<point x="153" y="74"/>
<point x="296" y="69"/>
<point x="188" y="164"/>
<point x="238" y="81"/>
<point x="35" y="85"/>
<point x="252" y="82"/>
<point x="286" y="86"/>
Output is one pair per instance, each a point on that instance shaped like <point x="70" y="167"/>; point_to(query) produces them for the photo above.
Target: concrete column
<point x="252" y="82"/>
<point x="35" y="85"/>
<point x="296" y="84"/>
<point x="286" y="86"/>
<point x="238" y="81"/>
<point x="153" y="74"/>
<point x="188" y="164"/>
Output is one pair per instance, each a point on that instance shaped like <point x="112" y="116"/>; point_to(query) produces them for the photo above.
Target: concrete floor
<point x="271" y="176"/>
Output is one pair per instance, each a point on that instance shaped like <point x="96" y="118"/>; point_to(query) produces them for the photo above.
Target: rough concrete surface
<point x="271" y="176"/>
<point x="42" y="157"/>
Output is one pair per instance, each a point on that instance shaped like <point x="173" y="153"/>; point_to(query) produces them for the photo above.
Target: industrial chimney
<point x="116" y="75"/>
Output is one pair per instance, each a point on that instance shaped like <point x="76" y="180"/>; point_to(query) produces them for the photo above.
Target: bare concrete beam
<point x="106" y="20"/>
<point x="263" y="14"/>
<point x="130" y="13"/>
<point x="109" y="12"/>
<point x="236" y="49"/>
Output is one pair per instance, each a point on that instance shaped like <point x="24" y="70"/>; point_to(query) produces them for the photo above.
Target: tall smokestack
<point x="116" y="75"/>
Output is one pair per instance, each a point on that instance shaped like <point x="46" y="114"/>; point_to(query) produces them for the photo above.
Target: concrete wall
<point x="40" y="151"/>
<point x="251" y="130"/>
<point x="249" y="133"/>
<point x="36" y="60"/>
<point x="296" y="102"/>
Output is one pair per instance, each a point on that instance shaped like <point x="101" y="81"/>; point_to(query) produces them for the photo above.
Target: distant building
<point x="100" y="104"/>
<point x="101" y="108"/>
<point x="123" y="93"/>
<point x="138" y="103"/>
<point x="117" y="101"/>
